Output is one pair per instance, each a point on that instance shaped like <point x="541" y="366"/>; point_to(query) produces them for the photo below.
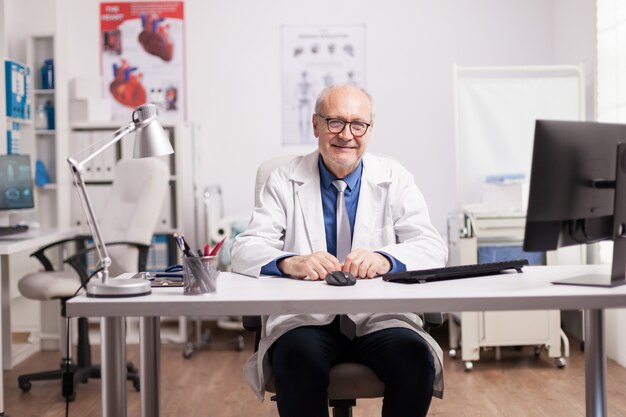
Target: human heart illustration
<point x="126" y="87"/>
<point x="155" y="37"/>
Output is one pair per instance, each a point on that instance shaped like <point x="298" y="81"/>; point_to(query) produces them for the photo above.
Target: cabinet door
<point x="511" y="328"/>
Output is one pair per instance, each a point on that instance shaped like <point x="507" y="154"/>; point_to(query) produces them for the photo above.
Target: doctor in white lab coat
<point x="289" y="235"/>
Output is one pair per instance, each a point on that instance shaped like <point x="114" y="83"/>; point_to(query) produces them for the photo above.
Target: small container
<point x="41" y="118"/>
<point x="200" y="275"/>
<point x="41" y="176"/>
<point x="49" y="107"/>
<point x="47" y="74"/>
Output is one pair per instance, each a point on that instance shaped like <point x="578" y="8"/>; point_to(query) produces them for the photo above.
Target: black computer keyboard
<point x="10" y="230"/>
<point x="454" y="272"/>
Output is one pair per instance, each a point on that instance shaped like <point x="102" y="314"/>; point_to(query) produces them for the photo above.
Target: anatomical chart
<point x="142" y="57"/>
<point x="315" y="57"/>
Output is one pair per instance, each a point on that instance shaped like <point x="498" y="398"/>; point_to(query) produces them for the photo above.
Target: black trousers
<point x="301" y="360"/>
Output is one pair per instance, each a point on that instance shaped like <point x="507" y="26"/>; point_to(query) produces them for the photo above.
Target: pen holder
<point x="200" y="275"/>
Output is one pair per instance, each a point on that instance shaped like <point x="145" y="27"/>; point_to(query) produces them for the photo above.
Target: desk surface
<point x="32" y="239"/>
<point x="241" y="295"/>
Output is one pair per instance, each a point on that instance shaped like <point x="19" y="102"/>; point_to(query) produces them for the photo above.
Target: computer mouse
<point x="340" y="278"/>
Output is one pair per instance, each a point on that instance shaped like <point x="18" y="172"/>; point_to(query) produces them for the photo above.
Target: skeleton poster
<point x="315" y="57"/>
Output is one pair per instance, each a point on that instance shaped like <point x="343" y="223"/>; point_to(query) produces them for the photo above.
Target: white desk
<point x="240" y="295"/>
<point x="9" y="245"/>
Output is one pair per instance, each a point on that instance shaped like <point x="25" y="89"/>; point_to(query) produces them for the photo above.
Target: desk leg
<point x="150" y="347"/>
<point x="595" y="364"/>
<point x="5" y="300"/>
<point x="7" y="359"/>
<point x="113" y="346"/>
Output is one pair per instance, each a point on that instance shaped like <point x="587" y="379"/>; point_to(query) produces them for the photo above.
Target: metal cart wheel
<point x="469" y="365"/>
<point x="188" y="350"/>
<point x="452" y="353"/>
<point x="537" y="351"/>
<point x="560" y="362"/>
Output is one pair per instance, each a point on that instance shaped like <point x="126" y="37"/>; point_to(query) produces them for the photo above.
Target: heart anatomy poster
<point x="315" y="57"/>
<point x="142" y="57"/>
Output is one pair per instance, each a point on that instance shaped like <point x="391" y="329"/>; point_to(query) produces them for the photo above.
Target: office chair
<point x="348" y="381"/>
<point x="128" y="221"/>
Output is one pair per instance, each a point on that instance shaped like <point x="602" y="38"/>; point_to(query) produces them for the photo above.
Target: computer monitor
<point x="578" y="192"/>
<point x="16" y="183"/>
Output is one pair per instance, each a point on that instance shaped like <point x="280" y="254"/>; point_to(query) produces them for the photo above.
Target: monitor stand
<point x="618" y="269"/>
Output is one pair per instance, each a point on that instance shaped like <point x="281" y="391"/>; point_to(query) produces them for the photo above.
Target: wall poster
<point x="314" y="57"/>
<point x="142" y="57"/>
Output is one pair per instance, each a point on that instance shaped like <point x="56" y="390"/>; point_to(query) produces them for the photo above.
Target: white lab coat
<point x="391" y="217"/>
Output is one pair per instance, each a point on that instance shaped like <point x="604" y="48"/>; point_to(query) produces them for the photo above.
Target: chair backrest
<point x="264" y="171"/>
<point x="132" y="210"/>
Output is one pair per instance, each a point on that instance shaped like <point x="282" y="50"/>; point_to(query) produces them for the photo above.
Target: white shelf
<point x="99" y="182"/>
<point x="108" y="125"/>
<point x="48" y="187"/>
<point x="44" y="92"/>
<point x="103" y="125"/>
<point x="45" y="132"/>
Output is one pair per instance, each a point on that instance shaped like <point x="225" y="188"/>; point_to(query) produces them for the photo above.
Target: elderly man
<point x="340" y="208"/>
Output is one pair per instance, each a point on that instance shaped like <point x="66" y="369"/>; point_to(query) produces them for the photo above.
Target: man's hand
<point x="363" y="263"/>
<point x="314" y="266"/>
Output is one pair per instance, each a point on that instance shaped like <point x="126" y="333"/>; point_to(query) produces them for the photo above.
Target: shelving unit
<point x="35" y="324"/>
<point x="49" y="146"/>
<point x="24" y="340"/>
<point x="100" y="172"/>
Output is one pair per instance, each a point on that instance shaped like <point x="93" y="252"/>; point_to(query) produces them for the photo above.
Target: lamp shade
<point x="150" y="139"/>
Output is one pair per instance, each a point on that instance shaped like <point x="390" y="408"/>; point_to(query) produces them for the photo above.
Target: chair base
<point x="80" y="375"/>
<point x="341" y="408"/>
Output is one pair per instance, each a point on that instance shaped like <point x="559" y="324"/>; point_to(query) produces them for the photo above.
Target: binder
<point x="165" y="217"/>
<point x="13" y="138"/>
<point x="80" y="141"/>
<point x="17" y="84"/>
<point x="159" y="254"/>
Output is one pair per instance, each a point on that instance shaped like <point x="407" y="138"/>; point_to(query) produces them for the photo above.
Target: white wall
<point x="575" y="41"/>
<point x="234" y="73"/>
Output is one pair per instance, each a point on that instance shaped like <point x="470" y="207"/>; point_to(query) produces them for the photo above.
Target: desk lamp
<point x="150" y="140"/>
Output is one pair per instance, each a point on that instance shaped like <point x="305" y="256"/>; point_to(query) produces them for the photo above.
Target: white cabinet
<point x="50" y="148"/>
<point x="100" y="172"/>
<point x="476" y="237"/>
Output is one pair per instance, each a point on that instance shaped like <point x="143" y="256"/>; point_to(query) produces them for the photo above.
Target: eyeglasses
<point x="357" y="129"/>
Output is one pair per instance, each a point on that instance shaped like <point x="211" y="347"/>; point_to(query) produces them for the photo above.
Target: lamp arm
<point x="118" y="135"/>
<point x="77" y="173"/>
<point x="92" y="222"/>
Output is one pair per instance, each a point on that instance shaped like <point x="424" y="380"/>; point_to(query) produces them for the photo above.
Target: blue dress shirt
<point x="329" y="207"/>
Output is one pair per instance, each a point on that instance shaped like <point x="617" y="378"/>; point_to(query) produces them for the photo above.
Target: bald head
<point x="322" y="99"/>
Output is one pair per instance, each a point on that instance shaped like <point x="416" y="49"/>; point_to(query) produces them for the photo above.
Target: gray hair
<point x="321" y="98"/>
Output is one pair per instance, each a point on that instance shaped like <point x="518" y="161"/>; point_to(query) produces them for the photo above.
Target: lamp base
<point x="132" y="287"/>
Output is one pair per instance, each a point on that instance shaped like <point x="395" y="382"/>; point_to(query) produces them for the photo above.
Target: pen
<point x="217" y="248"/>
<point x="179" y="242"/>
<point x="182" y="244"/>
<point x="207" y="249"/>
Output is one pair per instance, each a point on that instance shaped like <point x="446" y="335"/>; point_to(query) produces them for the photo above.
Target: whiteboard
<point x="495" y="117"/>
